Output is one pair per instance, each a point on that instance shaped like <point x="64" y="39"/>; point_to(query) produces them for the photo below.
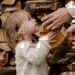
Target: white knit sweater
<point x="31" y="60"/>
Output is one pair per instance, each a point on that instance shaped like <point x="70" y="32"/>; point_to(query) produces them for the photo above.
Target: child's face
<point x="29" y="26"/>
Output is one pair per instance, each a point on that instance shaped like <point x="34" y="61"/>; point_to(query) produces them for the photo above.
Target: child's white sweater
<point x="30" y="59"/>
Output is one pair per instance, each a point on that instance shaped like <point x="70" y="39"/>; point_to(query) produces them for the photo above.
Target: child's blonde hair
<point x="12" y="25"/>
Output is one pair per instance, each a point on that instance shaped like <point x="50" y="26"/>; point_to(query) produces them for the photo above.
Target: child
<point x="30" y="56"/>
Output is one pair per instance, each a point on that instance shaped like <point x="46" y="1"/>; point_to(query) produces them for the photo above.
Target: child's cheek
<point x="32" y="26"/>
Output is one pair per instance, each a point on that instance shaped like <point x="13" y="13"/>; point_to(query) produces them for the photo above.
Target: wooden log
<point x="8" y="2"/>
<point x="71" y="67"/>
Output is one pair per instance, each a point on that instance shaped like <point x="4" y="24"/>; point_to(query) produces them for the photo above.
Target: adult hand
<point x="71" y="35"/>
<point x="56" y="19"/>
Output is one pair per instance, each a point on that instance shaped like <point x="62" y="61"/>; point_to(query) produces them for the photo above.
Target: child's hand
<point x="49" y="37"/>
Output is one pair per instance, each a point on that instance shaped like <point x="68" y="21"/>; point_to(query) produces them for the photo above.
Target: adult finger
<point x="47" y="17"/>
<point x="50" y="20"/>
<point x="57" y="26"/>
<point x="53" y="24"/>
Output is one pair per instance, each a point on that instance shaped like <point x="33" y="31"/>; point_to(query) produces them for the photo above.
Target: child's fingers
<point x="52" y="41"/>
<point x="52" y="37"/>
<point x="51" y="34"/>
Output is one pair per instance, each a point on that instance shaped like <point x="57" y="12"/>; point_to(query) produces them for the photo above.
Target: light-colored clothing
<point x="31" y="59"/>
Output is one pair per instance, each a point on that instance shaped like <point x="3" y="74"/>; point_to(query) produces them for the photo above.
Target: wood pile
<point x="38" y="8"/>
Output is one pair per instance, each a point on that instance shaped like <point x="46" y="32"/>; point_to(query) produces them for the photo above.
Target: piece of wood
<point x="4" y="16"/>
<point x="3" y="58"/>
<point x="40" y="4"/>
<point x="8" y="2"/>
<point x="71" y="67"/>
<point x="2" y="38"/>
